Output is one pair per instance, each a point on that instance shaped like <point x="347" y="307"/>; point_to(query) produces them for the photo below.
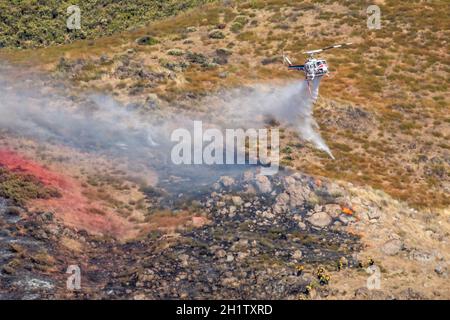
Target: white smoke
<point x="101" y="124"/>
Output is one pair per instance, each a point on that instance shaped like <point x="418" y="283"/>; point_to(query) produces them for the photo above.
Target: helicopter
<point x="313" y="68"/>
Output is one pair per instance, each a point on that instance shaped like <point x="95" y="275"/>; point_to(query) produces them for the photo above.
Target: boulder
<point x="320" y="219"/>
<point x="237" y="201"/>
<point x="226" y="181"/>
<point x="263" y="184"/>
<point x="281" y="203"/>
<point x="297" y="255"/>
<point x="392" y="247"/>
<point x="374" y="213"/>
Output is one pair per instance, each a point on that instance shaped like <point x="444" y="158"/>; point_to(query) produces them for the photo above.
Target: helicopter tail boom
<point x="297" y="67"/>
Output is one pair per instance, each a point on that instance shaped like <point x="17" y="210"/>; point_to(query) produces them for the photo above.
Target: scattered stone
<point x="248" y="176"/>
<point x="320" y="219"/>
<point x="297" y="255"/>
<point x="220" y="253"/>
<point x="268" y="215"/>
<point x="281" y="203"/>
<point x="223" y="75"/>
<point x="392" y="247"/>
<point x="263" y="184"/>
<point x="237" y="201"/>
<point x="184" y="260"/>
<point x="345" y="219"/>
<point x="420" y="256"/>
<point x="226" y="181"/>
<point x="333" y="210"/>
<point x="441" y="270"/>
<point x="222" y="56"/>
<point x="374" y="213"/>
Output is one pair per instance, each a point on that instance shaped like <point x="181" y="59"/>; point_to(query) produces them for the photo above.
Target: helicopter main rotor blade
<point x="328" y="48"/>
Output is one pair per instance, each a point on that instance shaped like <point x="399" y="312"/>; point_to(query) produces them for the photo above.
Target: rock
<point x="281" y="203"/>
<point x="226" y="181"/>
<point x="268" y="215"/>
<point x="221" y="57"/>
<point x="333" y="210"/>
<point x="184" y="259"/>
<point x="364" y="293"/>
<point x="374" y="213"/>
<point x="392" y="247"/>
<point x="298" y="192"/>
<point x="237" y="201"/>
<point x="320" y="219"/>
<point x="220" y="204"/>
<point x="8" y="270"/>
<point x="345" y="219"/>
<point x="13" y="211"/>
<point x="248" y="176"/>
<point x="37" y="284"/>
<point x="410" y="294"/>
<point x="242" y="255"/>
<point x="441" y="270"/>
<point x="104" y="59"/>
<point x="420" y="256"/>
<point x="263" y="184"/>
<point x="220" y="253"/>
<point x="230" y="258"/>
<point x="302" y="225"/>
<point x="223" y="75"/>
<point x="297" y="255"/>
<point x="230" y="282"/>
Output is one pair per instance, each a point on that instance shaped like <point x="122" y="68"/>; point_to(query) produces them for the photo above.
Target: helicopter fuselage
<point x="315" y="68"/>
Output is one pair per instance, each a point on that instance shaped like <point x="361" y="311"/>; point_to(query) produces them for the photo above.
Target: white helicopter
<point x="313" y="68"/>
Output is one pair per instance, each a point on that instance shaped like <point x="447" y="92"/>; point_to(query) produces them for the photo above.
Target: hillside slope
<point x="33" y="23"/>
<point x="74" y="193"/>
<point x="384" y="112"/>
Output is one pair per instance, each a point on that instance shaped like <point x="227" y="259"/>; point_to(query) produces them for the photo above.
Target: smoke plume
<point x="98" y="123"/>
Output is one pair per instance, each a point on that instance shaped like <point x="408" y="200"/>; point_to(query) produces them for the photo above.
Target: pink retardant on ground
<point x="73" y="207"/>
<point x="16" y="163"/>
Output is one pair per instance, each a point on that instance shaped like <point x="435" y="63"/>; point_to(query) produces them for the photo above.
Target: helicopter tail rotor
<point x="286" y="60"/>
